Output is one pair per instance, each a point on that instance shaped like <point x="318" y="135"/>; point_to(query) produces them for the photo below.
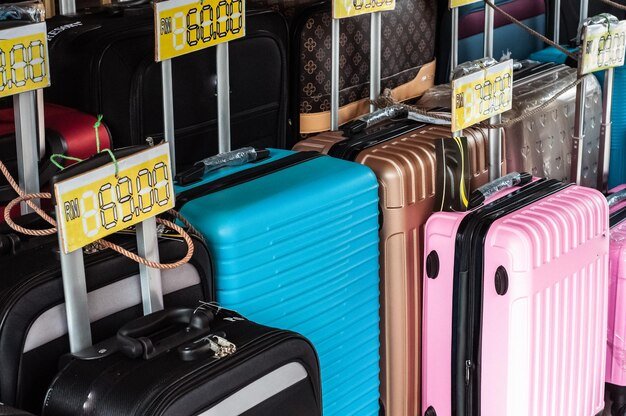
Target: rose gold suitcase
<point x="402" y="155"/>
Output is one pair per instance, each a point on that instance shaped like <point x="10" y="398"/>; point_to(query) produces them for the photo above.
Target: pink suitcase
<point x="515" y="303"/>
<point x="616" y="342"/>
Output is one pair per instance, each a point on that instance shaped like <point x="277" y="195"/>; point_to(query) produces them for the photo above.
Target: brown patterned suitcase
<point x="402" y="155"/>
<point x="407" y="50"/>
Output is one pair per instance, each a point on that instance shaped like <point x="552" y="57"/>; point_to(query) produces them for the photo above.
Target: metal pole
<point x="67" y="7"/>
<point x="26" y="143"/>
<point x="605" y="133"/>
<point x="375" y="41"/>
<point x="579" y="134"/>
<point x="557" y="21"/>
<point x="168" y="110"/>
<point x="223" y="98"/>
<point x="584" y="11"/>
<point x="75" y="293"/>
<point x="148" y="248"/>
<point x="488" y="36"/>
<point x="334" y="77"/>
<point x="495" y="135"/>
<point x="454" y="47"/>
<point x="41" y="124"/>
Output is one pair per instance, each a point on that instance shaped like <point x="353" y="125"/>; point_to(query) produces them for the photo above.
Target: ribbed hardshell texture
<point x="543" y="341"/>
<point x="298" y="249"/>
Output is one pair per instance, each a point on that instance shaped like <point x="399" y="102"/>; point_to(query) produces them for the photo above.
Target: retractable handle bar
<point x="495" y="135"/>
<point x="579" y="115"/>
<point x="375" y="69"/>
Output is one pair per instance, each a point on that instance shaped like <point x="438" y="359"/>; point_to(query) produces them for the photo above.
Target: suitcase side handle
<point x="615" y="198"/>
<point x="508" y="181"/>
<point x="134" y="338"/>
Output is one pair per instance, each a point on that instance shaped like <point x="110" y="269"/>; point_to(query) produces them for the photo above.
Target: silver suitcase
<point x="542" y="144"/>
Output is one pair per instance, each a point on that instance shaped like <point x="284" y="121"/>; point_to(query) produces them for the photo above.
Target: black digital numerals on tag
<point x="205" y="24"/>
<point x="369" y="4"/>
<point x="22" y="64"/>
<point x="493" y="96"/>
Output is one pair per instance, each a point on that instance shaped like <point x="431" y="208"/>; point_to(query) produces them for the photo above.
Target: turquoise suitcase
<point x="294" y="244"/>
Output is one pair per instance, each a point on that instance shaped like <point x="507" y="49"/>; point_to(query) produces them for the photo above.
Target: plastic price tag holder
<point x="23" y="70"/>
<point x="186" y="26"/>
<point x="481" y="95"/>
<point x="97" y="198"/>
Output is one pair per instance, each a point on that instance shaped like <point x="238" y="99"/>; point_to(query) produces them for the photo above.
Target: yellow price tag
<point x="603" y="48"/>
<point x="184" y="26"/>
<point x="481" y="95"/>
<point x="97" y="203"/>
<point x="458" y="3"/>
<point x="23" y="59"/>
<point x="350" y="8"/>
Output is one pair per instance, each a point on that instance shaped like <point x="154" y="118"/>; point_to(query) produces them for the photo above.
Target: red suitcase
<point x="68" y="132"/>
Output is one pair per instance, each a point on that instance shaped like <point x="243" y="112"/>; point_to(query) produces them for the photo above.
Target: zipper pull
<point x="226" y="347"/>
<point x="468" y="368"/>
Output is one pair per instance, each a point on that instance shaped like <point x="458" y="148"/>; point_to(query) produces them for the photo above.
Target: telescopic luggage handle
<point x="375" y="77"/>
<point x="616" y="198"/>
<point x="495" y="135"/>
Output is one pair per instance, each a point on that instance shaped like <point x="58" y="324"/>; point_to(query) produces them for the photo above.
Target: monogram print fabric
<point x="408" y="42"/>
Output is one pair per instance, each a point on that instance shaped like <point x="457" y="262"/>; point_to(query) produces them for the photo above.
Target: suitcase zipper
<point x="468" y="290"/>
<point x="617" y="217"/>
<point x="349" y="149"/>
<point x="182" y="385"/>
<point x="244" y="176"/>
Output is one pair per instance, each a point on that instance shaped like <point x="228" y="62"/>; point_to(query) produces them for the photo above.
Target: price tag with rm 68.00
<point x="350" y="8"/>
<point x="23" y="59"/>
<point x="184" y="26"/>
<point x="98" y="203"/>
<point x="603" y="47"/>
<point x="481" y="95"/>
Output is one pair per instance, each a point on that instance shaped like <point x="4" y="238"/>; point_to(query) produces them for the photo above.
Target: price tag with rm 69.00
<point x="23" y="59"/>
<point x="184" y="26"/>
<point x="603" y="47"/>
<point x="350" y="8"/>
<point x="481" y="95"/>
<point x="98" y="203"/>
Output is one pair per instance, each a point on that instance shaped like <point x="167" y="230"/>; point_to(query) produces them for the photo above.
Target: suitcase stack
<point x="324" y="279"/>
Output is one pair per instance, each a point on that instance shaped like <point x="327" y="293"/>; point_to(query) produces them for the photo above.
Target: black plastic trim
<point x="244" y="176"/>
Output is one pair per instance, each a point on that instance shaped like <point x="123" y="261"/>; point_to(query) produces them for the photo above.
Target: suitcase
<point x="542" y="144"/>
<point x="408" y="64"/>
<point x="120" y="41"/>
<point x="294" y="244"/>
<point x="402" y="155"/>
<point x="509" y="38"/>
<point x="616" y="347"/>
<point x="33" y="332"/>
<point x="515" y="303"/>
<point x="255" y="370"/>
<point x="10" y="411"/>
<point x="68" y="132"/>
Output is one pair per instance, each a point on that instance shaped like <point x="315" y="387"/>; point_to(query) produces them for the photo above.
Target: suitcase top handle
<point x="481" y="194"/>
<point x="134" y="338"/>
<point x="616" y="198"/>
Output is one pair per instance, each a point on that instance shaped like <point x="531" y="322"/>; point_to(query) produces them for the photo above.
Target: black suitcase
<point x="10" y="411"/>
<point x="33" y="329"/>
<point x="228" y="366"/>
<point x="103" y="63"/>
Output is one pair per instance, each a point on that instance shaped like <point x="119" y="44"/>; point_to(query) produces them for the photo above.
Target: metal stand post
<point x="24" y="107"/>
<point x="168" y="110"/>
<point x="375" y="41"/>
<point x="495" y="135"/>
<point x="223" y="98"/>
<point x="148" y="248"/>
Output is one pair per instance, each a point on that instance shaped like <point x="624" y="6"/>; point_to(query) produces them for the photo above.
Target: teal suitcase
<point x="294" y="244"/>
